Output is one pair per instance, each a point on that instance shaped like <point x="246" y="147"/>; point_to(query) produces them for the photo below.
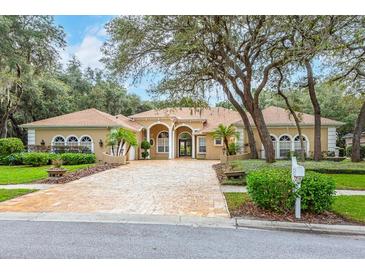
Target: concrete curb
<point x="194" y="221"/>
<point x="302" y="227"/>
<point x="221" y="222"/>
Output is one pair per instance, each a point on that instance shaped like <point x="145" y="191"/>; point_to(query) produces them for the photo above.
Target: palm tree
<point x="120" y="137"/>
<point x="225" y="133"/>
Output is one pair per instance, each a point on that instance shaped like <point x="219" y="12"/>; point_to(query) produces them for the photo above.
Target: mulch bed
<point x="219" y="170"/>
<point x="75" y="175"/>
<point x="251" y="211"/>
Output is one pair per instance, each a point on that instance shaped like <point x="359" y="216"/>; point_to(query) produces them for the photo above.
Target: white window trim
<point x="202" y="137"/>
<point x="218" y="145"/>
<point x="54" y="137"/>
<point x="164" y="145"/>
<point x="92" y="141"/>
<point x="68" y="137"/>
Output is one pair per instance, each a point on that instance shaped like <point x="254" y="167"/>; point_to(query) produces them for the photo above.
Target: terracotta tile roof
<point x="276" y="116"/>
<point x="211" y="117"/>
<point x="85" y="118"/>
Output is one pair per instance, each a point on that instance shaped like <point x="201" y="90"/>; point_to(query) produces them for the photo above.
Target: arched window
<point x="163" y="142"/>
<point x="297" y="144"/>
<point x="184" y="136"/>
<point x="284" y="146"/>
<point x="72" y="141"/>
<point x="87" y="142"/>
<point x="58" y="141"/>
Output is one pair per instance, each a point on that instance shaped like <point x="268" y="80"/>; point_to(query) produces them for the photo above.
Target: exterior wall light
<point x="101" y="143"/>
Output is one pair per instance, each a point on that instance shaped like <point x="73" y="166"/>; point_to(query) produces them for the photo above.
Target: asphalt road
<point x="24" y="239"/>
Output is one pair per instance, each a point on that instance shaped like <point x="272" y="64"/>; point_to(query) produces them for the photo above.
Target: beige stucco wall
<point x="47" y="134"/>
<point x="154" y="131"/>
<point x="292" y="131"/>
<point x="213" y="152"/>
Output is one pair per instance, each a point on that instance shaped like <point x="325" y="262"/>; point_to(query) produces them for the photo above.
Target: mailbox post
<point x="297" y="176"/>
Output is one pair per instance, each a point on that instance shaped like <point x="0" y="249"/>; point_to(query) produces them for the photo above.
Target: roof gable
<point x="85" y="118"/>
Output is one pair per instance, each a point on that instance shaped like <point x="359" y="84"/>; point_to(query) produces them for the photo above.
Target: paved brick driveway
<point x="166" y="187"/>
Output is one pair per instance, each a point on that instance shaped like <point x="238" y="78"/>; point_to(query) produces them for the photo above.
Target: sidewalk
<point x="27" y="186"/>
<point x="243" y="189"/>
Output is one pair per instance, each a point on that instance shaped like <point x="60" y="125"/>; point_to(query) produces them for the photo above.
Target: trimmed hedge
<point x="44" y="158"/>
<point x="317" y="192"/>
<point x="13" y="159"/>
<point x="36" y="158"/>
<point x="273" y="189"/>
<point x="77" y="158"/>
<point x="10" y="145"/>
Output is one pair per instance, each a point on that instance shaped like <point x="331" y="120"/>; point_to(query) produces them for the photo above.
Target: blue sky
<point x="85" y="35"/>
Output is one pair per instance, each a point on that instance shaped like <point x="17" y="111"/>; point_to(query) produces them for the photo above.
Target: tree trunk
<point x="297" y="123"/>
<point x="4" y="126"/>
<point x="246" y="122"/>
<point x="317" y="112"/>
<point x="19" y="132"/>
<point x="359" y="127"/>
<point x="264" y="134"/>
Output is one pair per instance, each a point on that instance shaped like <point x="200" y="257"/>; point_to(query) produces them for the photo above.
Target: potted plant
<point x="57" y="170"/>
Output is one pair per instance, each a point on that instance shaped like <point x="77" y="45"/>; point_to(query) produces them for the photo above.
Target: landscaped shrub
<point x="349" y="151"/>
<point x="317" y="192"/>
<point x="77" y="158"/>
<point x="10" y="145"/>
<point x="145" y="145"/>
<point x="13" y="159"/>
<point x="273" y="189"/>
<point x="36" y="158"/>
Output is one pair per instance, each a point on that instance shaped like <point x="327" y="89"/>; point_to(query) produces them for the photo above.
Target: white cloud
<point x="88" y="51"/>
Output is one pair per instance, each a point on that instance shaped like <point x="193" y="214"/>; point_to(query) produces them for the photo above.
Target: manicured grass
<point x="7" y="194"/>
<point x="234" y="182"/>
<point x="248" y="165"/>
<point x="26" y="174"/>
<point x="350" y="207"/>
<point x="235" y="200"/>
<point x="349" y="181"/>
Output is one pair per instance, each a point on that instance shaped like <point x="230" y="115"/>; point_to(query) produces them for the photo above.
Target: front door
<point x="184" y="147"/>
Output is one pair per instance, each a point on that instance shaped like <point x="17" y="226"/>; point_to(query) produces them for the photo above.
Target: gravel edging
<point x="75" y="175"/>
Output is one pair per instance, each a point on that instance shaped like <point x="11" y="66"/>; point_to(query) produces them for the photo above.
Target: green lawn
<point x="7" y="194"/>
<point x="26" y="174"/>
<point x="248" y="165"/>
<point x="349" y="181"/>
<point x="351" y="207"/>
<point x="235" y="200"/>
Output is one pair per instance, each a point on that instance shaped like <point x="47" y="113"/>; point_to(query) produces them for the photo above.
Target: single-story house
<point x="178" y="132"/>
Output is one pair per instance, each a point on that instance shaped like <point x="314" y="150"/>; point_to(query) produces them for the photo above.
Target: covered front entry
<point x="170" y="141"/>
<point x="185" y="144"/>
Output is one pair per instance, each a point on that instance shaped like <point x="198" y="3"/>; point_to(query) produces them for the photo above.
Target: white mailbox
<point x="297" y="175"/>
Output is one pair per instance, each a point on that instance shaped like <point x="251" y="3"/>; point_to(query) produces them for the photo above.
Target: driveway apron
<point x="162" y="187"/>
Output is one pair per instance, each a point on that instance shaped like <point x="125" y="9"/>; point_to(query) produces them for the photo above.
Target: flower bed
<point x="72" y="176"/>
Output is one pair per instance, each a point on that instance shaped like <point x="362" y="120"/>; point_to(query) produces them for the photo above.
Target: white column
<point x="148" y="140"/>
<point x="193" y="146"/>
<point x="173" y="145"/>
<point x="170" y="143"/>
